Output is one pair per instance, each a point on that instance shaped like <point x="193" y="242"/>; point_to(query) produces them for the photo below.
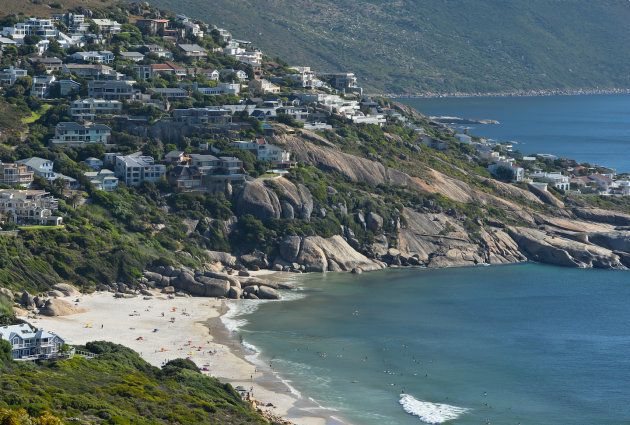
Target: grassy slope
<point x="118" y="387"/>
<point x="412" y="46"/>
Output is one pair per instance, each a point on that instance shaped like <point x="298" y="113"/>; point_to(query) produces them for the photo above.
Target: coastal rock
<point x="214" y="287"/>
<point x="267" y="293"/>
<point x="374" y="222"/>
<point x="67" y="289"/>
<point x="58" y="307"/>
<point x="168" y="290"/>
<point x="254" y="259"/>
<point x="290" y="248"/>
<point x="603" y="216"/>
<point x="235" y="293"/>
<point x="546" y="196"/>
<point x="297" y="197"/>
<point x="251" y="296"/>
<point x="225" y="258"/>
<point x="258" y="200"/>
<point x="223" y="276"/>
<point x="615" y="241"/>
<point x="39" y="302"/>
<point x="544" y="248"/>
<point x="316" y="252"/>
<point x="252" y="289"/>
<point x="27" y="300"/>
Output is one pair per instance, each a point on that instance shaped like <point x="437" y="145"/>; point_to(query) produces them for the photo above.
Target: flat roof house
<point x="193" y="50"/>
<point x="28" y="343"/>
<point x="72" y="133"/>
<point x="103" y="179"/>
<point x="107" y="26"/>
<point x="137" y="168"/>
<point x="90" y="108"/>
<point x="111" y="89"/>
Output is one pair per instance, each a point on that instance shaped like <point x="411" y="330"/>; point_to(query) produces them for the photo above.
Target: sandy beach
<point x="161" y="329"/>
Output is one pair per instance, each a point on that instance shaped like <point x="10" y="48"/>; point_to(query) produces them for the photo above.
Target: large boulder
<point x="603" y="216"/>
<point x="235" y="293"/>
<point x="27" y="300"/>
<point x="67" y="289"/>
<point x="267" y="293"/>
<point x="58" y="307"/>
<point x="225" y="258"/>
<point x="545" y="248"/>
<point x="254" y="260"/>
<point x="7" y="293"/>
<point x="374" y="222"/>
<point x="290" y="248"/>
<point x="297" y="196"/>
<point x="214" y="287"/>
<point x="258" y="200"/>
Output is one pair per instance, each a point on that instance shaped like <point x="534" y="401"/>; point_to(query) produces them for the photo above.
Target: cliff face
<point x="532" y="224"/>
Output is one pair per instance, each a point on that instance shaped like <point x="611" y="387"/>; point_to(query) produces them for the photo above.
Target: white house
<point x="28" y="207"/>
<point x="41" y="85"/>
<point x="557" y="180"/>
<point x="40" y="166"/>
<point x="28" y="343"/>
<point x="137" y="168"/>
<point x="104" y="56"/>
<point x="107" y="26"/>
<point x="91" y="108"/>
<point x="221" y="88"/>
<point x="104" y="179"/>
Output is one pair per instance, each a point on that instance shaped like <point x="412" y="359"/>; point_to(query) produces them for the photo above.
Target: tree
<point x="505" y="174"/>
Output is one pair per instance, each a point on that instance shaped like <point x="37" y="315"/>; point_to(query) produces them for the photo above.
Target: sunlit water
<point x="593" y="128"/>
<point x="527" y="344"/>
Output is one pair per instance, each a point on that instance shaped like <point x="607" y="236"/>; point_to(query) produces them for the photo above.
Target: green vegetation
<point x="433" y="45"/>
<point x="116" y="387"/>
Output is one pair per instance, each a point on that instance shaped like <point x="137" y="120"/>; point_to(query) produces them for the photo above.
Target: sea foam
<point x="430" y="413"/>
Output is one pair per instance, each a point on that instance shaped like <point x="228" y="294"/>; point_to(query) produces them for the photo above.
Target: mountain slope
<point x="436" y="45"/>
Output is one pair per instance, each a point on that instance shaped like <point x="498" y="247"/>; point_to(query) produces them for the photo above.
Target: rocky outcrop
<point x="542" y="247"/>
<point x="603" y="216"/>
<point x="57" y="307"/>
<point x="258" y="200"/>
<point x="546" y="196"/>
<point x="438" y="240"/>
<point x="317" y="254"/>
<point x="67" y="289"/>
<point x="261" y="198"/>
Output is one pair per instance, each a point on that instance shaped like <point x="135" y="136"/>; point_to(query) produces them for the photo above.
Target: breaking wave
<point x="430" y="413"/>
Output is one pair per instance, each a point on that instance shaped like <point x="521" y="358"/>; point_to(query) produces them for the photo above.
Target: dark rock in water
<point x="267" y="293"/>
<point x="251" y="289"/>
<point x="356" y="271"/>
<point x="251" y="296"/>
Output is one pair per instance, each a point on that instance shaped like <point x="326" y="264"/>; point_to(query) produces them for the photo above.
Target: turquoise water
<point x="527" y="344"/>
<point x="594" y="128"/>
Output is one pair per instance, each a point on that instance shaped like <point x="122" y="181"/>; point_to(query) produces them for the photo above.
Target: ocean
<point x="590" y="128"/>
<point x="516" y="344"/>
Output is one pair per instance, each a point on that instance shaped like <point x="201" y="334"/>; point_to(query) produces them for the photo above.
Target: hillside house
<point x="137" y="168"/>
<point x="103" y="179"/>
<point x="9" y="76"/>
<point x="89" y="109"/>
<point x="42" y="85"/>
<point x="72" y="133"/>
<point x="15" y="174"/>
<point x="112" y="90"/>
<point x="28" y="343"/>
<point x="39" y="166"/>
<point x="107" y="26"/>
<point x="28" y="207"/>
<point x="192" y="50"/>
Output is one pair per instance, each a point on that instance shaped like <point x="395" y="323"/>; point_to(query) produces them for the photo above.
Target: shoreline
<point x="516" y="93"/>
<point x="160" y="329"/>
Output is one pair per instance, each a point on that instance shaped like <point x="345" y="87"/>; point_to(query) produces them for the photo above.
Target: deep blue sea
<point x="594" y="128"/>
<point x="518" y="344"/>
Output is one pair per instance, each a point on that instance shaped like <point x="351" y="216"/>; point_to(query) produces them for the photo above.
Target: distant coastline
<point x="515" y="93"/>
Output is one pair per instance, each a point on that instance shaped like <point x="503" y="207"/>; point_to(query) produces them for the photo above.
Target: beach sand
<point x="187" y="327"/>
